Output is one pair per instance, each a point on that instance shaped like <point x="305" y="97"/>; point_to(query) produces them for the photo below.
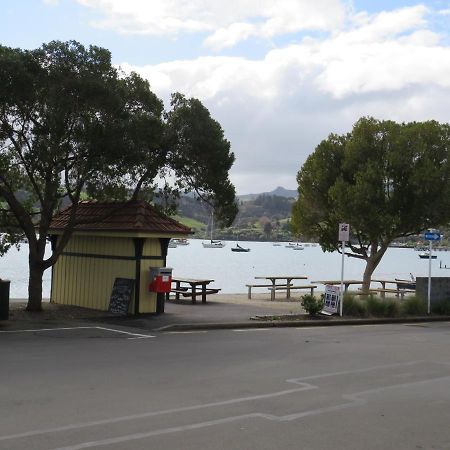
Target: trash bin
<point x="4" y="299"/>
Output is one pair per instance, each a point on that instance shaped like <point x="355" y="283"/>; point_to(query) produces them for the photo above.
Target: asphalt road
<point x="351" y="387"/>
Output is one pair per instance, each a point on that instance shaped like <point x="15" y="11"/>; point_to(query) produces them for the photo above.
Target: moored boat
<point x="238" y="248"/>
<point x="426" y="255"/>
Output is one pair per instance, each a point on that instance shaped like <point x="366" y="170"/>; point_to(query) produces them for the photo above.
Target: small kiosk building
<point x="111" y="240"/>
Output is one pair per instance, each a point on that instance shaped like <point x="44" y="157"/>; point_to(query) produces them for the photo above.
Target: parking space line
<point x="135" y="335"/>
<point x="238" y="330"/>
<point x="186" y="332"/>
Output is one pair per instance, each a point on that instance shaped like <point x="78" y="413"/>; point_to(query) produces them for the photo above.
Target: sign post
<point x="431" y="236"/>
<point x="344" y="235"/>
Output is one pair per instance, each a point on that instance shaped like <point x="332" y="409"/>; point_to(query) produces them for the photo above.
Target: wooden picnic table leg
<point x="383" y="286"/>
<point x="204" y="293"/>
<point x="272" y="292"/>
<point x="194" y="293"/>
<point x="288" y="288"/>
<point x="177" y="294"/>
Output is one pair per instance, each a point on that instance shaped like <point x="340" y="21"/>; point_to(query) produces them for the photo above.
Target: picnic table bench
<point x="402" y="287"/>
<point x="250" y="286"/>
<point x="273" y="289"/>
<point x="286" y="286"/>
<point x="191" y="289"/>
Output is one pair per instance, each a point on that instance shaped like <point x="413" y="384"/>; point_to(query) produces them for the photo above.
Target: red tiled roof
<point x="136" y="216"/>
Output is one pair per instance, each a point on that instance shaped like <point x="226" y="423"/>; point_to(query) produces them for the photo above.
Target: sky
<point x="278" y="75"/>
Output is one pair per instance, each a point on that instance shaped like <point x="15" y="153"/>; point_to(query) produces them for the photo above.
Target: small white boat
<point x="180" y="241"/>
<point x="213" y="244"/>
<point x="276" y="244"/>
<point x="295" y="246"/>
<point x="172" y="244"/>
<point x="426" y="255"/>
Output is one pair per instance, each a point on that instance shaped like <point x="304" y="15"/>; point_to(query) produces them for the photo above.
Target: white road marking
<point x="353" y="400"/>
<point x="135" y="335"/>
<point x="187" y="332"/>
<point x="243" y="330"/>
<point x="302" y="383"/>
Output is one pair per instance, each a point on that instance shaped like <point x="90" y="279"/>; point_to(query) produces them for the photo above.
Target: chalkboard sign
<point x="121" y="296"/>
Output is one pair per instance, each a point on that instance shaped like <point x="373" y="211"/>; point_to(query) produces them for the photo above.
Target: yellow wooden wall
<point x="88" y="282"/>
<point x="147" y="301"/>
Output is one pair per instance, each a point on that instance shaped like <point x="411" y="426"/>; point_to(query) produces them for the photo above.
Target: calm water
<point x="232" y="271"/>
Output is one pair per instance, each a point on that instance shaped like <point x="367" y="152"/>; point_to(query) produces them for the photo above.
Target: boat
<point x="276" y="244"/>
<point x="426" y="255"/>
<point x="213" y="243"/>
<point x="172" y="244"/>
<point x="295" y="246"/>
<point x="180" y="241"/>
<point x="238" y="248"/>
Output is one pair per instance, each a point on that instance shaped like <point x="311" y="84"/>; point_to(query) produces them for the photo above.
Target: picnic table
<point x="402" y="287"/>
<point x="346" y="283"/>
<point x="188" y="287"/>
<point x="285" y="286"/>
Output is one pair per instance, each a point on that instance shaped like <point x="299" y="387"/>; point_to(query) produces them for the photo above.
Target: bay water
<point x="233" y="270"/>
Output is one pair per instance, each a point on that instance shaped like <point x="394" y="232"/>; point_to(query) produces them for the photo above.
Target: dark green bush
<point x="311" y="304"/>
<point x="442" y="308"/>
<point x="354" y="307"/>
<point x="413" y="306"/>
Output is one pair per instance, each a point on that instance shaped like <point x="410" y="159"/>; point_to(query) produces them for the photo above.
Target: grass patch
<point x="354" y="306"/>
<point x="413" y="306"/>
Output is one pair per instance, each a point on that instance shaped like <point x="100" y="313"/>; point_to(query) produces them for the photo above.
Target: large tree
<point x="70" y="124"/>
<point x="387" y="180"/>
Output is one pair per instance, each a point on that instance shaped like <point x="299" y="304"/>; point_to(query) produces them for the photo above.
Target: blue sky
<point x="278" y="75"/>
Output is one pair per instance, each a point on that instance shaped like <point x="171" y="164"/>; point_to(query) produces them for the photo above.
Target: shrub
<point x="442" y="308"/>
<point x="382" y="308"/>
<point x="353" y="306"/>
<point x="413" y="306"/>
<point x="311" y="304"/>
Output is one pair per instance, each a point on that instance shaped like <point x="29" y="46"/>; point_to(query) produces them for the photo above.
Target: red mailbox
<point x="160" y="279"/>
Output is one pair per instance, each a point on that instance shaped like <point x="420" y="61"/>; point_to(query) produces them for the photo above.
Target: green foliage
<point x="413" y="306"/>
<point x="311" y="304"/>
<point x="354" y="307"/>
<point x="442" y="308"/>
<point x="200" y="155"/>
<point x="71" y="123"/>
<point x="385" y="179"/>
<point x="378" y="307"/>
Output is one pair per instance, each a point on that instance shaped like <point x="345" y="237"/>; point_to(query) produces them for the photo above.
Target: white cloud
<point x="226" y="22"/>
<point x="277" y="109"/>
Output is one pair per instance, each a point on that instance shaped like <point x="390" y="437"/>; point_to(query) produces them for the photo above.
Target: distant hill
<point x="279" y="192"/>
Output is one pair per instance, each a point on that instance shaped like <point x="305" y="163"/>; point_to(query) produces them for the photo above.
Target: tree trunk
<point x="35" y="287"/>
<point x="372" y="262"/>
<point x="371" y="265"/>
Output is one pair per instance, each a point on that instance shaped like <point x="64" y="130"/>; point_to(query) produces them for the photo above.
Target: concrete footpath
<point x="222" y="311"/>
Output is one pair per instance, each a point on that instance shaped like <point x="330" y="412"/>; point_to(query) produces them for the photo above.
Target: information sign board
<point x="344" y="232"/>
<point x="331" y="300"/>
<point x="432" y="236"/>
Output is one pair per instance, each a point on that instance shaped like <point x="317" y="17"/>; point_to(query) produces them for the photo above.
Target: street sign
<point x="429" y="236"/>
<point x="344" y="232"/>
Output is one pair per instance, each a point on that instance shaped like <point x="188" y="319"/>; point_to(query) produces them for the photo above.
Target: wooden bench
<point x="398" y="292"/>
<point x="285" y="288"/>
<point x="250" y="286"/>
<point x="207" y="292"/>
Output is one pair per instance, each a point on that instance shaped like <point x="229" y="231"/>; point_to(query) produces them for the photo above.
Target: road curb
<point x="296" y="323"/>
